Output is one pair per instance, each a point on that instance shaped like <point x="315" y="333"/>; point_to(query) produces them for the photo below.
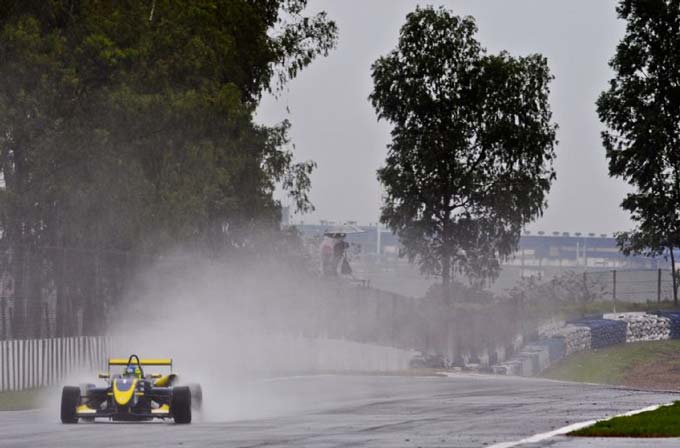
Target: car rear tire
<point x="196" y="396"/>
<point x="70" y="399"/>
<point x="180" y="405"/>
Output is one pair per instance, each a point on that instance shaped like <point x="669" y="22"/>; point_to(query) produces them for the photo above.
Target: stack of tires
<point x="674" y="317"/>
<point x="604" y="332"/>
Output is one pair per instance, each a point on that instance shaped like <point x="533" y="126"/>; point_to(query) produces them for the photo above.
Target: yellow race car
<point x="132" y="395"/>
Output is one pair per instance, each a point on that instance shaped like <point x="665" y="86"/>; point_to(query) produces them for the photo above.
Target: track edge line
<point x="573" y="427"/>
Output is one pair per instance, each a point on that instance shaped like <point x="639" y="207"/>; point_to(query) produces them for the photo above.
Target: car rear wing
<point x="142" y="362"/>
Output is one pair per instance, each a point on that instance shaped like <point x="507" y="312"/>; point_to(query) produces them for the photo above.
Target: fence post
<point x="15" y="364"/>
<point x="584" y="299"/>
<point x="43" y="363"/>
<point x="614" y="290"/>
<point x="5" y="366"/>
<point x="53" y="360"/>
<point x="3" y="363"/>
<point x="658" y="287"/>
<point x="24" y="363"/>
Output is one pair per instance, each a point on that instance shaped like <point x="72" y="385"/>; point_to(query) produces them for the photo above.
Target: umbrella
<point x="344" y="229"/>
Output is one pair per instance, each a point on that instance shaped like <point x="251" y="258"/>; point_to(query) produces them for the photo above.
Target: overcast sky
<point x="335" y="125"/>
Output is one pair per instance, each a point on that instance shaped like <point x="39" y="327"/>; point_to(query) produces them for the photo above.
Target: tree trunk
<point x="60" y="305"/>
<point x="446" y="262"/>
<point x="674" y="277"/>
<point x="33" y="287"/>
<point x="17" y="222"/>
<point x="446" y="278"/>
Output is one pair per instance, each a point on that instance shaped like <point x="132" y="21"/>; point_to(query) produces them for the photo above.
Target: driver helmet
<point x="133" y="370"/>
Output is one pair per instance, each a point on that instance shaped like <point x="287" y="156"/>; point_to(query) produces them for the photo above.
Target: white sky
<point x="335" y="125"/>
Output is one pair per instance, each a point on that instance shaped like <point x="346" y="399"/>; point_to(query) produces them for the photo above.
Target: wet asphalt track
<point x="359" y="411"/>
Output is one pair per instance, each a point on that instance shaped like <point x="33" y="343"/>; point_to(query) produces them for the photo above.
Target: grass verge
<point x="654" y="365"/>
<point x="662" y="422"/>
<point x="21" y="400"/>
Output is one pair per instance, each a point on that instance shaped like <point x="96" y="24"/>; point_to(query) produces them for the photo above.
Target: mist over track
<point x="371" y="411"/>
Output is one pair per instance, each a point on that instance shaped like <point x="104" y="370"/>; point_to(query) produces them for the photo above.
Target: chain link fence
<point x="633" y="286"/>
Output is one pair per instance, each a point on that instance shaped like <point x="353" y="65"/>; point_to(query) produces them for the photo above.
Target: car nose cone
<point x="124" y="390"/>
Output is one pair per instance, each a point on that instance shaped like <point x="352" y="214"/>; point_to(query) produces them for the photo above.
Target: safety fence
<point x="632" y="286"/>
<point x="33" y="363"/>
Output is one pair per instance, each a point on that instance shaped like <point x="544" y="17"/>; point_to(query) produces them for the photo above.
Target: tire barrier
<point x="561" y="340"/>
<point x="575" y="338"/>
<point x="32" y="363"/>
<point x="605" y="332"/>
<point x="673" y="322"/>
<point x="645" y="327"/>
<point x="557" y="342"/>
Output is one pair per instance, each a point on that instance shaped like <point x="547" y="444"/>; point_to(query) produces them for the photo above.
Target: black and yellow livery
<point x="132" y="396"/>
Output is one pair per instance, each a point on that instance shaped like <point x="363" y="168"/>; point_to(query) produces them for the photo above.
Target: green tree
<point x="641" y="112"/>
<point x="470" y="161"/>
<point x="129" y="126"/>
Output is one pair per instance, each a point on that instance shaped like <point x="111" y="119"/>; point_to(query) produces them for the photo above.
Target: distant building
<point x="535" y="252"/>
<point x="565" y="250"/>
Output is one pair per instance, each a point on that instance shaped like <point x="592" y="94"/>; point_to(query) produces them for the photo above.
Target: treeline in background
<point x="127" y="127"/>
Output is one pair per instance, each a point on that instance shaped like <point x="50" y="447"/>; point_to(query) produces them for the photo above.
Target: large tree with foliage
<point x="470" y="161"/>
<point x="641" y="112"/>
<point x="129" y="126"/>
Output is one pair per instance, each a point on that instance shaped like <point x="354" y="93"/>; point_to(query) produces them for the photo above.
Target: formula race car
<point x="132" y="395"/>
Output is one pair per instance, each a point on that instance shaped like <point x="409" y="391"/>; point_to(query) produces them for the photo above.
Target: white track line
<point x="567" y="429"/>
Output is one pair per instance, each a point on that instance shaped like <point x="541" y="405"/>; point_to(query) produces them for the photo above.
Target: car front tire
<point x="70" y="399"/>
<point x="180" y="405"/>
